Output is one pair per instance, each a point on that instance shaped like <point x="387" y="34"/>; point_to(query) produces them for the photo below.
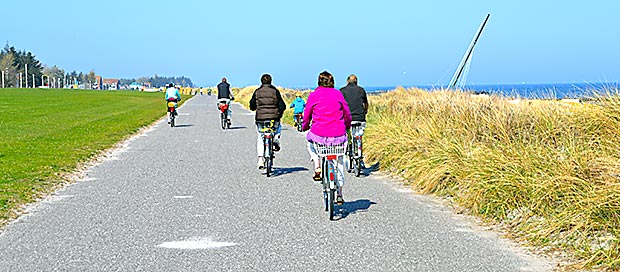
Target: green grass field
<point x="49" y="132"/>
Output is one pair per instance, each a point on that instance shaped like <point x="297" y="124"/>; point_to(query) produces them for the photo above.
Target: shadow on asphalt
<point x="373" y="168"/>
<point x="239" y="127"/>
<point x="277" y="171"/>
<point x="183" y="125"/>
<point x="348" y="208"/>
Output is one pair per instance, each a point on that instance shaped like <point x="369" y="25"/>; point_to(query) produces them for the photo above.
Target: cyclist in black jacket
<point x="224" y="96"/>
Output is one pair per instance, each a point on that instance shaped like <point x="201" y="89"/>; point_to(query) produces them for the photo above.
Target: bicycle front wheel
<point x="330" y="203"/>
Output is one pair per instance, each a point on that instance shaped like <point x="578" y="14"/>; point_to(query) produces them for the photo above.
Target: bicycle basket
<point x="325" y="150"/>
<point x="172" y="104"/>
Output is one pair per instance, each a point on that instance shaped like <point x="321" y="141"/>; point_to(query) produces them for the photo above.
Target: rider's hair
<point x="352" y="79"/>
<point x="326" y="79"/>
<point x="170" y="85"/>
<point x="265" y="79"/>
<point x="223" y="79"/>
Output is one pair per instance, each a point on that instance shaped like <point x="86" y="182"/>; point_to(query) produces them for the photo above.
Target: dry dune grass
<point x="546" y="171"/>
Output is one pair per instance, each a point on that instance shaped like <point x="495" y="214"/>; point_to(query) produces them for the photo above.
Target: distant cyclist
<point x="269" y="105"/>
<point x="224" y="96"/>
<point x="358" y="104"/>
<point x="330" y="117"/>
<point x="172" y="95"/>
<point x="298" y="106"/>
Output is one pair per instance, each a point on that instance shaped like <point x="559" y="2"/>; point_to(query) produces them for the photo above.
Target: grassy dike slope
<point x="547" y="172"/>
<point x="48" y="133"/>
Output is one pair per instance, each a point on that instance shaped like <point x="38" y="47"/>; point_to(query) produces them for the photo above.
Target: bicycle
<point x="269" y="131"/>
<point x="354" y="150"/>
<point x="329" y="156"/>
<point x="172" y="109"/>
<point x="299" y="120"/>
<point x="224" y="115"/>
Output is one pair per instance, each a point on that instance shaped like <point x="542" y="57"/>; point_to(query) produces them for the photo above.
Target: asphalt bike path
<point x="191" y="198"/>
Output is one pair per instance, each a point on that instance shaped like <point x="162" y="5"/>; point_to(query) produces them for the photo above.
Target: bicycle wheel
<point x="223" y="117"/>
<point x="356" y="167"/>
<point x="172" y="119"/>
<point x="325" y="183"/>
<point x="268" y="164"/>
<point x="330" y="205"/>
<point x="331" y="174"/>
<point x="268" y="157"/>
<point x="350" y="158"/>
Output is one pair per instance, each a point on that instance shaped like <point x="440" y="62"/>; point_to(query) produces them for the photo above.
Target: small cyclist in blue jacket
<point x="172" y="95"/>
<point x="299" y="104"/>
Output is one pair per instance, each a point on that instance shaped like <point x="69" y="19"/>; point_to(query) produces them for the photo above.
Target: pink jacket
<point x="328" y="111"/>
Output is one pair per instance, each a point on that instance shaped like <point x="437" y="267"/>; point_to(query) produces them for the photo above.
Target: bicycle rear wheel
<point x="268" y="165"/>
<point x="268" y="154"/>
<point x="350" y="158"/>
<point x="330" y="188"/>
<point x="224" y="122"/>
<point x="330" y="206"/>
<point x="356" y="167"/>
<point x="172" y="114"/>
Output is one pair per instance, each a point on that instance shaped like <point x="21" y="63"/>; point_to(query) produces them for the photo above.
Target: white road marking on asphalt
<point x="463" y="230"/>
<point x="182" y="196"/>
<point x="53" y="198"/>
<point x="196" y="243"/>
<point x="88" y="179"/>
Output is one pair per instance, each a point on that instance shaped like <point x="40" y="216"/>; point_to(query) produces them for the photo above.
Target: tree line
<point x="14" y="62"/>
<point x="158" y="81"/>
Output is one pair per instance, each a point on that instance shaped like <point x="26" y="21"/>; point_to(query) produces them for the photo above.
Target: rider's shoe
<point x="261" y="163"/>
<point x="276" y="147"/>
<point x="317" y="174"/>
<point x="339" y="200"/>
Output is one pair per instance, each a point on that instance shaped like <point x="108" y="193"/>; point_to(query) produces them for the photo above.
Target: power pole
<point x="26" y="73"/>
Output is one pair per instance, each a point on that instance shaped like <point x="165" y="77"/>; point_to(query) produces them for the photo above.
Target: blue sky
<point x="386" y="43"/>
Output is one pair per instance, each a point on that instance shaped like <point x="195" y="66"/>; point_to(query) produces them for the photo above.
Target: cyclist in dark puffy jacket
<point x="269" y="105"/>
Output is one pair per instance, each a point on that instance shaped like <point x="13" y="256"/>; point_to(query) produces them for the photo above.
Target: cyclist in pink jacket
<point x="330" y="117"/>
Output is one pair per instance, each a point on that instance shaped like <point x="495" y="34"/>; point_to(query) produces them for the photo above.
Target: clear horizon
<point x="388" y="43"/>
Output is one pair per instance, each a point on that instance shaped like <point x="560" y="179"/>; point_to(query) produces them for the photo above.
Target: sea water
<point x="531" y="91"/>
